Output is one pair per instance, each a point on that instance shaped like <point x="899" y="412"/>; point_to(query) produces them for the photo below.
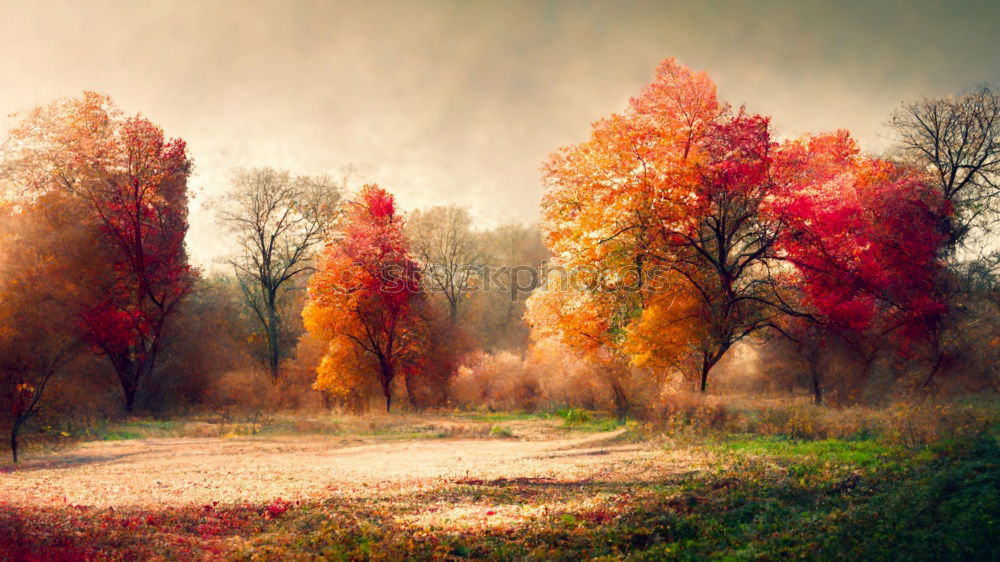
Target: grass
<point x="500" y="431"/>
<point x="760" y="499"/>
<point x="499" y="417"/>
<point x="120" y="435"/>
<point x="943" y="506"/>
<point x="380" y="427"/>
<point x="573" y="419"/>
<point x="375" y="426"/>
<point x="578" y="419"/>
<point x="861" y="453"/>
<point x="906" y="483"/>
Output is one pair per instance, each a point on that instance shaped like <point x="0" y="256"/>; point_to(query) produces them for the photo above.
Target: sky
<point x="459" y="102"/>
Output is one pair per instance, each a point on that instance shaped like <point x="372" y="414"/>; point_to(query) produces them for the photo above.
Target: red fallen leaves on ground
<point x="597" y="516"/>
<point x="86" y="533"/>
<point x="277" y="508"/>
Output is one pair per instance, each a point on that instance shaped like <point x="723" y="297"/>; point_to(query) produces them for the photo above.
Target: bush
<point x="677" y="412"/>
<point x="573" y="416"/>
<point x="549" y="378"/>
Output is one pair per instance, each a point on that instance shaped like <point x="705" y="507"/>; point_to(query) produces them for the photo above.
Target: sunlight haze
<point x="460" y="102"/>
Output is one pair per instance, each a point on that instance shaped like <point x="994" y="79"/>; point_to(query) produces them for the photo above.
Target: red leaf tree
<point x="863" y="236"/>
<point x="671" y="192"/>
<point x="134" y="183"/>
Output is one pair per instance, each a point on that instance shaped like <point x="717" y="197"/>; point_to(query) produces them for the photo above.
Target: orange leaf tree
<point x="678" y="210"/>
<point x="363" y="300"/>
<point x="46" y="249"/>
<point x="668" y="194"/>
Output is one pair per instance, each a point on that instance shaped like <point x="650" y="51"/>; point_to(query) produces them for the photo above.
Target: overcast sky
<point x="459" y="102"/>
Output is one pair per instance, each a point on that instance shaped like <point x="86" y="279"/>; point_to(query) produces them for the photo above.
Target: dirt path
<point x="157" y="472"/>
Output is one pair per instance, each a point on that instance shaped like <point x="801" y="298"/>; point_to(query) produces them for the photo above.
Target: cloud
<point x="459" y="102"/>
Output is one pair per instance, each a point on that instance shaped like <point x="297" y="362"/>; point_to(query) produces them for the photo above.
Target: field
<point x="498" y="486"/>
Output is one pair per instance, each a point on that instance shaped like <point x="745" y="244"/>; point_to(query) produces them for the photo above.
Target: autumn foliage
<point x="554" y="377"/>
<point x="43" y="248"/>
<point x="133" y="182"/>
<point x="862" y="234"/>
<point x="680" y="229"/>
<point x="362" y="301"/>
<point x="688" y="228"/>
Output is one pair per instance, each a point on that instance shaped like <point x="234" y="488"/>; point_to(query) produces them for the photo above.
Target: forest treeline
<point x="682" y="246"/>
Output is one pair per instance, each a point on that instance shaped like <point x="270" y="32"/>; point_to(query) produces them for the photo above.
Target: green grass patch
<point x="153" y="425"/>
<point x="578" y="419"/>
<point x="120" y="435"/>
<point x="863" y="452"/>
<point x="406" y="435"/>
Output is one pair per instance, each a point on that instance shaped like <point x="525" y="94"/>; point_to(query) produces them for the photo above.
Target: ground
<point x="494" y="486"/>
<point x="177" y="471"/>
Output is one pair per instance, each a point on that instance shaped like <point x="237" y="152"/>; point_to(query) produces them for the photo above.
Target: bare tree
<point x="514" y="255"/>
<point x="451" y="253"/>
<point x="957" y="139"/>
<point x="279" y="221"/>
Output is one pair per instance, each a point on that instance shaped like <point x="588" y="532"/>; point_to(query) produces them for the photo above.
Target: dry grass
<point x="912" y="423"/>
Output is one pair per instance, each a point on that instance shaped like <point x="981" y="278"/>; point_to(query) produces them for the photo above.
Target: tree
<point x="362" y="299"/>
<point x="685" y="216"/>
<point x="675" y="184"/>
<point x="279" y="221"/>
<point x="862" y="234"/>
<point x="957" y="139"/>
<point x="586" y="322"/>
<point x="514" y="258"/>
<point x="670" y="326"/>
<point x="133" y="181"/>
<point x="43" y="247"/>
<point x="450" y="252"/>
<point x="205" y="343"/>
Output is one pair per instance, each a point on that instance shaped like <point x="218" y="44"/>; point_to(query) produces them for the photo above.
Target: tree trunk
<point x="621" y="400"/>
<point x="129" y="374"/>
<point x="709" y="361"/>
<point x="129" y="390"/>
<point x="934" y="369"/>
<point x="386" y="380"/>
<point x="443" y="394"/>
<point x="273" y="359"/>
<point x="817" y="392"/>
<point x="13" y="440"/>
<point x="706" y="366"/>
<point x="410" y="392"/>
<point x="273" y="345"/>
